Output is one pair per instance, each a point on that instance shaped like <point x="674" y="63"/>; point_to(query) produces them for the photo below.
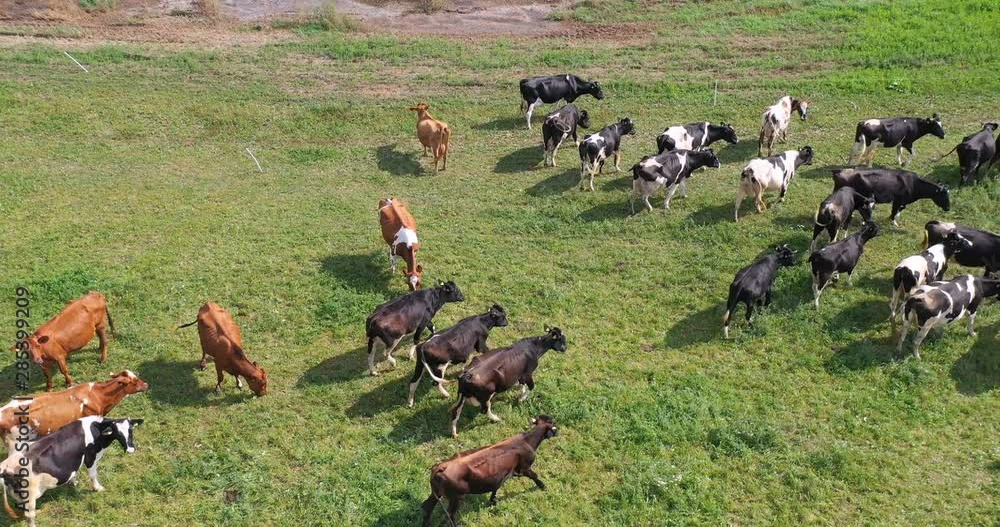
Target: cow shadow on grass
<point x="947" y="173"/>
<point x="741" y="152"/>
<point x="613" y="210"/>
<point x="389" y="394"/>
<point x="717" y="213"/>
<point x="555" y="184"/>
<point x="338" y="368"/>
<point x="90" y="356"/>
<point x="177" y="383"/>
<point x="698" y="326"/>
<point x="861" y="317"/>
<point x="521" y="160"/>
<point x="396" y="162"/>
<point x="412" y="514"/>
<point x="502" y="124"/>
<point x="978" y="371"/>
<point x="363" y="272"/>
<point x="861" y="354"/>
<point x="612" y="181"/>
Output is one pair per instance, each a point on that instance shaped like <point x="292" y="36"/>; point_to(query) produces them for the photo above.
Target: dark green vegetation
<point x="133" y="180"/>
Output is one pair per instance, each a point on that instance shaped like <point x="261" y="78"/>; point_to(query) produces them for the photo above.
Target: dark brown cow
<point x="221" y="338"/>
<point x="68" y="332"/>
<point x="485" y="469"/>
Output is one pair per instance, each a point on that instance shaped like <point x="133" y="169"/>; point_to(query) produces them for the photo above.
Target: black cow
<point x="753" y="283"/>
<point x="559" y="125"/>
<point x="837" y="210"/>
<point x="408" y="314"/>
<point x="900" y="132"/>
<point x="941" y="303"/>
<point x="552" y="89"/>
<point x="499" y="370"/>
<point x="596" y="148"/>
<point x="973" y="151"/>
<point x="454" y="346"/>
<point x="892" y="185"/>
<point x="56" y="459"/>
<point x="694" y="136"/>
<point x="985" y="249"/>
<point x="840" y="257"/>
<point x="669" y="169"/>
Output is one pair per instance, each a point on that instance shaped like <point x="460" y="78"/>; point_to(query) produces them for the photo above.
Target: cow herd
<point x="70" y="430"/>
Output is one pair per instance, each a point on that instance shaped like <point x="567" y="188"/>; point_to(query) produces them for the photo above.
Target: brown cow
<point x="50" y="411"/>
<point x="399" y="230"/>
<point x="221" y="338"/>
<point x="433" y="134"/>
<point x="70" y="331"/>
<point x="485" y="469"/>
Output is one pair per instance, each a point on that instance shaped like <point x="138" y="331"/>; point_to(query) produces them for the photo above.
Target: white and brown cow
<point x="399" y="230"/>
<point x="775" y="121"/>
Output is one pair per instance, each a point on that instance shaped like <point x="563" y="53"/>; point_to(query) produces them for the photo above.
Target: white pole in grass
<point x="255" y="160"/>
<point x="76" y="61"/>
<point x="715" y="94"/>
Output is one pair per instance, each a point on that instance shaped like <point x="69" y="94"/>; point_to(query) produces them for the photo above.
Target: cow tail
<point x="6" y="503"/>
<point x="948" y="154"/>
<point x="899" y="278"/>
<point x="111" y="323"/>
<point x="446" y="139"/>
<point x="859" y="132"/>
<point x="188" y="324"/>
<point x="435" y="378"/>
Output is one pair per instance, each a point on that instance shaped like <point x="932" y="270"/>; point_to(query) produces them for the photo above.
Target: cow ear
<point x="43" y="339"/>
<point x="137" y="421"/>
<point x="420" y="268"/>
<point x="547" y="328"/>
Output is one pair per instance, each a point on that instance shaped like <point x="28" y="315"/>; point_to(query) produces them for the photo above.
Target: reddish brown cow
<point x="70" y="331"/>
<point x="221" y="338"/>
<point x="433" y="134"/>
<point x="48" y="412"/>
<point x="485" y="469"/>
<point x="399" y="230"/>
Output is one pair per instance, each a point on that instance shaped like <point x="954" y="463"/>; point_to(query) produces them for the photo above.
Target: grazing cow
<point x="559" y="125"/>
<point x="892" y="185"/>
<point x="596" y="148"/>
<point x="837" y="210"/>
<point x="775" y="121"/>
<point x="667" y="170"/>
<point x="44" y="413"/>
<point x="433" y="134"/>
<point x="399" y="230"/>
<point x="407" y="315"/>
<point x="56" y="459"/>
<point x="454" y="346"/>
<point x="552" y="89"/>
<point x="221" y="338"/>
<point x="840" y="257"/>
<point x="694" y="136"/>
<point x="985" y="250"/>
<point x="770" y="173"/>
<point x="753" y="283"/>
<point x="928" y="266"/>
<point x="69" y="331"/>
<point x="497" y="371"/>
<point x="900" y="132"/>
<point x="941" y="303"/>
<point x="485" y="469"/>
<point x="974" y="151"/>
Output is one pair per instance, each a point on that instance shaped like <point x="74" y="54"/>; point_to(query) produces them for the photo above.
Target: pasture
<point x="132" y="179"/>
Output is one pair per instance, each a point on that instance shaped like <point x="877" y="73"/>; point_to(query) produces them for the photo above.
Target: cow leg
<point x="531" y="109"/>
<point x="102" y="337"/>
<point x="736" y="211"/>
<point x="817" y="230"/>
<point x="418" y="373"/>
<point x="493" y="498"/>
<point x="618" y="158"/>
<point x="412" y="354"/>
<point x="760" y="141"/>
<point x="488" y="407"/>
<point x="921" y="335"/>
<point x="857" y="152"/>
<point x="389" y="350"/>
<point x="583" y="172"/>
<point x="912" y="155"/>
<point x="759" y="198"/>
<point x="203" y="361"/>
<point x="453" y="503"/>
<point x="92" y="472"/>
<point x="525" y="392"/>
<point x="64" y="369"/>
<point x="649" y="206"/>
<point x="894" y="303"/>
<point x="670" y="194"/>
<point x="239" y="383"/>
<point x="972" y="322"/>
<point x="530" y="474"/>
<point x="371" y="356"/>
<point x="220" y="375"/>
<point x="31" y="508"/>
<point x="47" y="370"/>
<point x="819" y="284"/>
<point x="456" y="412"/>
<point x="902" y="334"/>
<point x="899" y="154"/>
<point x="441" y="389"/>
<point x="784" y="190"/>
<point x="428" y="508"/>
<point x="894" y="216"/>
<point x="592" y="178"/>
<point x="749" y="313"/>
<point x="683" y="186"/>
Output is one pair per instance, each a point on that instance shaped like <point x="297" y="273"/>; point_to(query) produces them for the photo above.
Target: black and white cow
<point x="941" y="303"/>
<point x="552" y="89"/>
<point x="974" y="151"/>
<point x="985" y="250"/>
<point x="840" y="257"/>
<point x="892" y="185"/>
<point x="57" y="458"/>
<point x="409" y="314"/>
<point x="694" y="136"/>
<point x="900" y="132"/>
<point x="596" y="148"/>
<point x="667" y="170"/>
<point x="753" y="283"/>
<point x="770" y="173"/>
<point x="837" y="210"/>
<point x="775" y="121"/>
<point x="928" y="266"/>
<point x="454" y="346"/>
<point x="559" y="125"/>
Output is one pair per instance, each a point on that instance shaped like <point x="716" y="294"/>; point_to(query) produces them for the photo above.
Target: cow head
<point x="710" y="159"/>
<point x="956" y="243"/>
<point x="34" y="344"/>
<point x="866" y="207"/>
<point x="120" y="430"/>
<point x="130" y="382"/>
<point x="729" y="133"/>
<point x="933" y="126"/>
<point x="548" y="424"/>
<point x="555" y="339"/>
<point x="626" y="126"/>
<point x="420" y="108"/>
<point x="498" y="316"/>
<point x="806" y="155"/>
<point x="414" y="278"/>
<point x="942" y="197"/>
<point x="384" y="202"/>
<point x="992" y="127"/>
<point x="258" y="381"/>
<point x="584" y="121"/>
<point x="802" y="107"/>
<point x="869" y="231"/>
<point x="786" y="256"/>
<point x="595" y="90"/>
<point x="449" y="292"/>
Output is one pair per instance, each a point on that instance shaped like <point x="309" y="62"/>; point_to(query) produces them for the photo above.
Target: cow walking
<point x="973" y="152"/>
<point x="984" y="251"/>
<point x="552" y="89"/>
<point x="752" y="285"/>
<point x="770" y="173"/>
<point x="899" y="132"/>
<point x="559" y="125"/>
<point x="433" y="134"/>
<point x="221" y="339"/>
<point x="928" y="266"/>
<point x="596" y="148"/>
<point x="775" y="121"/>
<point x="892" y="185"/>
<point x="399" y="230"/>
<point x="941" y="303"/>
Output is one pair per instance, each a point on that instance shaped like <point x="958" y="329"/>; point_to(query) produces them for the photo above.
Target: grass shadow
<point x="946" y="173"/>
<point x="175" y="383"/>
<point x="363" y="272"/>
<point x="502" y="124"/>
<point x="860" y="317"/>
<point x="396" y="162"/>
<point x="522" y="160"/>
<point x="616" y="183"/>
<point x="697" y="327"/>
<point x="716" y="213"/>
<point x="860" y="355"/>
<point x="607" y="211"/>
<point x="741" y="152"/>
<point x="978" y="371"/>
<point x="555" y="184"/>
<point x="339" y="368"/>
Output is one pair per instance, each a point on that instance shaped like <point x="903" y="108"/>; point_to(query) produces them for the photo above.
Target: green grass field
<point x="132" y="180"/>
